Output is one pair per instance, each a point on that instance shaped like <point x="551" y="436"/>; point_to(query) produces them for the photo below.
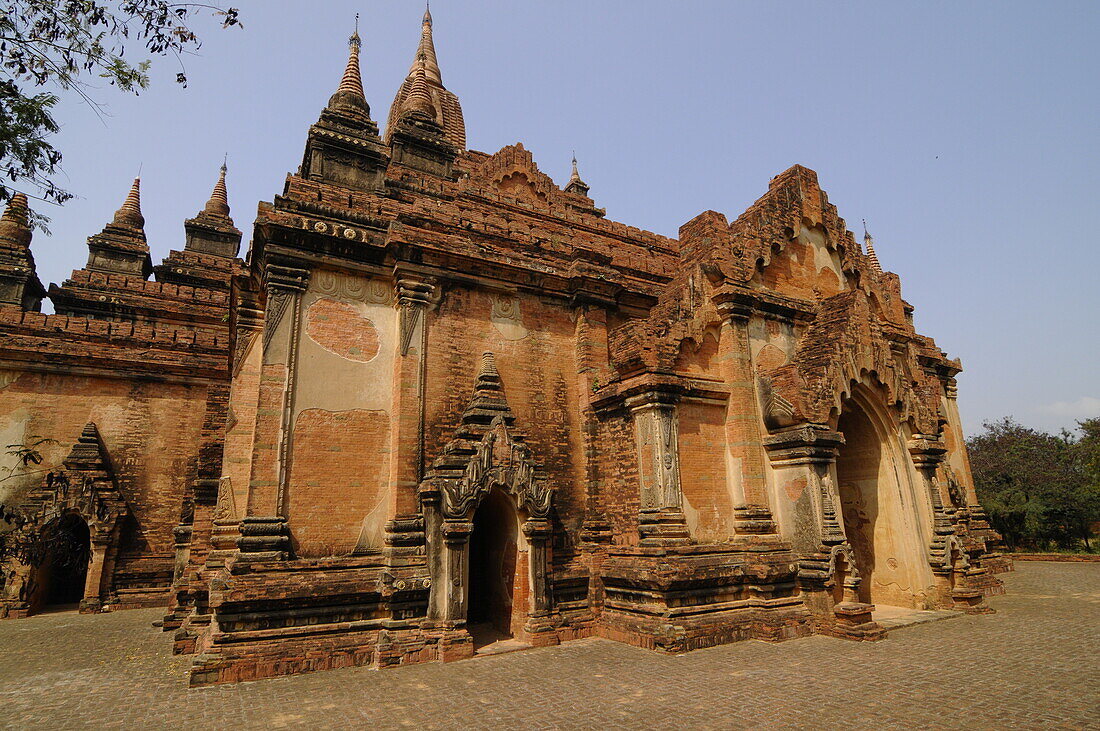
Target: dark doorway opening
<point x="858" y="469"/>
<point x="492" y="569"/>
<point x="63" y="571"/>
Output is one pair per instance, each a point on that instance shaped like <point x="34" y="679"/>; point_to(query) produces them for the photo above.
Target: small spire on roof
<point x="15" y="223"/>
<point x="218" y="205"/>
<point x="129" y="214"/>
<point x="352" y="81"/>
<point x="869" y="244"/>
<point x="420" y="96"/>
<point x="575" y="184"/>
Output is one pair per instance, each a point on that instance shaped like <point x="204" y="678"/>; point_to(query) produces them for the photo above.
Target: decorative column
<point x="456" y="570"/>
<point x="263" y="530"/>
<point x="248" y="325"/>
<point x="958" y="582"/>
<point x="804" y="463"/>
<point x="661" y="519"/>
<point x="743" y="433"/>
<point x="404" y="533"/>
<point x="927" y="452"/>
<point x="539" y="629"/>
<point x="93" y="583"/>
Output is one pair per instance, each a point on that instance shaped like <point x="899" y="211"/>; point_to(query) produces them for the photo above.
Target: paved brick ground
<point x="1031" y="665"/>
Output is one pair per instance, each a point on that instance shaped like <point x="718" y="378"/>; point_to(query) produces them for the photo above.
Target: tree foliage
<point x="49" y="47"/>
<point x="1040" y="490"/>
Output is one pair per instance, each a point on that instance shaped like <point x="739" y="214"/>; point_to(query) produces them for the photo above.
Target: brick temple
<point x="444" y="403"/>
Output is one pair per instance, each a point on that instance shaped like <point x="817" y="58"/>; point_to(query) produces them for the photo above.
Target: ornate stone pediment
<point x="845" y="344"/>
<point x="487" y="452"/>
<point x="512" y="171"/>
<point x="85" y="486"/>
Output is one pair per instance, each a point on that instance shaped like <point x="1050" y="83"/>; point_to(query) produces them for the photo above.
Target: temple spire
<point x="129" y="215"/>
<point x="350" y="92"/>
<point x="869" y="244"/>
<point x="423" y="91"/>
<point x="425" y="52"/>
<point x="218" y="205"/>
<point x="15" y="223"/>
<point x="420" y="96"/>
<point x="352" y="80"/>
<point x="575" y="184"/>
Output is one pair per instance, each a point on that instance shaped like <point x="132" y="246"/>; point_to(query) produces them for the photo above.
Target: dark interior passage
<point x="493" y="563"/>
<point x="63" y="572"/>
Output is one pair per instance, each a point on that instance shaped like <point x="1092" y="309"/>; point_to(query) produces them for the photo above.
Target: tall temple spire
<point x="129" y="214"/>
<point x="120" y="248"/>
<point x="212" y="230"/>
<point x="19" y="283"/>
<point x="352" y="80"/>
<point x="869" y="244"/>
<point x="218" y="205"/>
<point x="425" y="52"/>
<point x="15" y="224"/>
<point x="425" y="77"/>
<point x="350" y="92"/>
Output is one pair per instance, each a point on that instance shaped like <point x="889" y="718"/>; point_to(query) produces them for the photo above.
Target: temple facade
<point x="446" y="402"/>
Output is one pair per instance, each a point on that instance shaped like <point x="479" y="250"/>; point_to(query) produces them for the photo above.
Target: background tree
<point x="49" y="47"/>
<point x="1039" y="490"/>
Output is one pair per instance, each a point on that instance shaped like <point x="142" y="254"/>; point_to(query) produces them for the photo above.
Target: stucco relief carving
<point x="507" y="317"/>
<point x="348" y="286"/>
<point x="243" y="343"/>
<point x="658" y="459"/>
<point x="277" y="301"/>
<point x="500" y="461"/>
<point x="226" y="509"/>
<point x="8" y="377"/>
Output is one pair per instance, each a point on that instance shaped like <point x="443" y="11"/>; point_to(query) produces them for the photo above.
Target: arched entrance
<point x="879" y="507"/>
<point x="62" y="573"/>
<point x="493" y="554"/>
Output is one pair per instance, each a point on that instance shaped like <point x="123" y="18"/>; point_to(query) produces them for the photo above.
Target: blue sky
<point x="967" y="134"/>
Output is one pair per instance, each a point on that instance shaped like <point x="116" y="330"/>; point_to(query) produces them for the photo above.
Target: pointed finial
<point x="425" y="52"/>
<point x="355" y="42"/>
<point x="869" y="243"/>
<point x="575" y="184"/>
<point x="352" y="81"/>
<point x="427" y="12"/>
<point x="218" y="205"/>
<point x="129" y="214"/>
<point x="15" y="223"/>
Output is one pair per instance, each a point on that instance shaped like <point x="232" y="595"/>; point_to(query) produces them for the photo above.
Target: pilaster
<point x="743" y="421"/>
<point x="414" y="296"/>
<point x="263" y="529"/>
<point x="661" y="519"/>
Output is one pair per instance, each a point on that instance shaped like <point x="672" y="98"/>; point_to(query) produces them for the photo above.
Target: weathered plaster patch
<point x="340" y="328"/>
<point x="794" y="488"/>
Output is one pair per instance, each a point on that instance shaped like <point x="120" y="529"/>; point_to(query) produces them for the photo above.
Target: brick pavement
<point x="1030" y="665"/>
